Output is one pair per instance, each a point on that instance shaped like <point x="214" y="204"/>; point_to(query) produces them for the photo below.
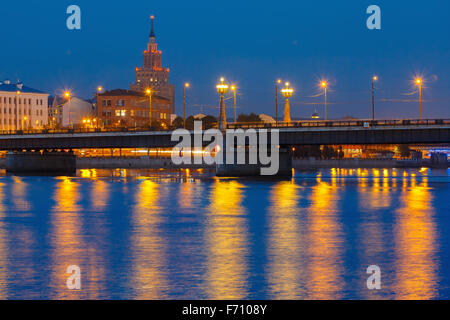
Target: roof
<point x="14" y="87"/>
<point x="266" y="118"/>
<point x="124" y="92"/>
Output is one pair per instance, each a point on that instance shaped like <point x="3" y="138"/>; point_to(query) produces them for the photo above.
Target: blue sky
<point x="251" y="43"/>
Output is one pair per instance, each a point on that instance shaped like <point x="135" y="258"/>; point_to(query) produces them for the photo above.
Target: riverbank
<point x="364" y="163"/>
<point x="300" y="164"/>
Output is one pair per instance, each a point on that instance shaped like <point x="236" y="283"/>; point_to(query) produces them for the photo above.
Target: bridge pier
<point x="245" y="170"/>
<point x="41" y="162"/>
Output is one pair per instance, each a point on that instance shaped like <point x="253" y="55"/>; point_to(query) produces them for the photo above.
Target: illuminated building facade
<point x="152" y="74"/>
<point x="58" y="112"/>
<point x="126" y="108"/>
<point x="22" y="107"/>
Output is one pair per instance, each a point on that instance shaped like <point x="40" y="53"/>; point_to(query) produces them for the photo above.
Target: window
<point x="121" y="113"/>
<point x="120" y="103"/>
<point x="106" y="103"/>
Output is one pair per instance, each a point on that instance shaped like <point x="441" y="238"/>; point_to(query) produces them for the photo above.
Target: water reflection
<point x="286" y="243"/>
<point x="66" y="240"/>
<point x="415" y="244"/>
<point x="149" y="246"/>
<point x="373" y="196"/>
<point x="227" y="245"/>
<point x="3" y="249"/>
<point x="325" y="242"/>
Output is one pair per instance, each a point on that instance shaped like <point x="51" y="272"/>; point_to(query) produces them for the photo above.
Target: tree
<point x="177" y="123"/>
<point x="404" y="151"/>
<point x="248" y="118"/>
<point x="209" y="122"/>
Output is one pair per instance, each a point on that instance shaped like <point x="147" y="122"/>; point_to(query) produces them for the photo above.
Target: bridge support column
<point x="41" y="163"/>
<point x="247" y="169"/>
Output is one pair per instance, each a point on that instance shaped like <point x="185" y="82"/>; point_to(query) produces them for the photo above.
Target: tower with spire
<point x="152" y="74"/>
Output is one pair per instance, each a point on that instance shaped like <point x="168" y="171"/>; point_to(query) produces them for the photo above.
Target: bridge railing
<point x="248" y="125"/>
<point x="340" y="123"/>
<point x="75" y="130"/>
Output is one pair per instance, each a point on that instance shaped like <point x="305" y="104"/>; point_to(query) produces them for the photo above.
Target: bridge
<point x="54" y="157"/>
<point x="294" y="133"/>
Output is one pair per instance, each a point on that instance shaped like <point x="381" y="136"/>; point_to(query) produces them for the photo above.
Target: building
<point x="152" y="74"/>
<point x="126" y="108"/>
<point x="22" y="107"/>
<point x="80" y="110"/>
<point x="266" y="118"/>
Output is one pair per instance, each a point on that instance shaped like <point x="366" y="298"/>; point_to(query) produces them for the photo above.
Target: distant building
<point x="22" y="107"/>
<point x="199" y="116"/>
<point x="152" y="74"/>
<point x="58" y="112"/>
<point x="315" y="115"/>
<point x="125" y="108"/>
<point x="266" y="118"/>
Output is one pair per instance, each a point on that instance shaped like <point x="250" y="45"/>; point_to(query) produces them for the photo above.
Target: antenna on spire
<point x="152" y="32"/>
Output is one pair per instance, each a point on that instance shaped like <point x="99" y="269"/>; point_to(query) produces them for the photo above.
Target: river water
<point x="189" y="235"/>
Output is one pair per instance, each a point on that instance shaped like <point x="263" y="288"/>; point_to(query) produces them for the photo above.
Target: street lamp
<point x="419" y="83"/>
<point x="276" y="100"/>
<point x="324" y="85"/>
<point x="148" y="91"/>
<point x="287" y="93"/>
<point x="233" y="88"/>
<point x="222" y="88"/>
<point x="186" y="85"/>
<point x="374" y="78"/>
<point x="67" y="95"/>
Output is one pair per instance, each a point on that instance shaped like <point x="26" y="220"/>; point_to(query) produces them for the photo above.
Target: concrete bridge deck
<point x="297" y="133"/>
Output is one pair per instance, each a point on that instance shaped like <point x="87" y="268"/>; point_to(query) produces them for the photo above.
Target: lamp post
<point x="149" y="93"/>
<point x="233" y="89"/>
<point x="276" y="100"/>
<point x="67" y="95"/>
<point x="287" y="93"/>
<point x="186" y="85"/>
<point x="324" y="85"/>
<point x="419" y="82"/>
<point x="222" y="88"/>
<point x="374" y="78"/>
<point x="99" y="90"/>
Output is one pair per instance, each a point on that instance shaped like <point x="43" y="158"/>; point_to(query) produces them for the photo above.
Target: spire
<point x="152" y="32"/>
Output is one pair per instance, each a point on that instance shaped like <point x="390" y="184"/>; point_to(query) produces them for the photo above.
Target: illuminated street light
<point x="276" y="100"/>
<point x="186" y="85"/>
<point x="233" y="88"/>
<point x="148" y="91"/>
<point x="99" y="90"/>
<point x="419" y="83"/>
<point x="287" y="93"/>
<point x="374" y="78"/>
<point x="68" y="95"/>
<point x="222" y="88"/>
<point x="324" y="85"/>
